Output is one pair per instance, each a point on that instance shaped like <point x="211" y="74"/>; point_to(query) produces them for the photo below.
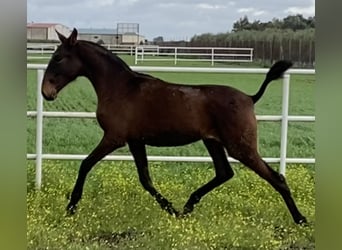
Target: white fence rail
<point x="47" y="49"/>
<point x="41" y="48"/>
<point x="284" y="118"/>
<point x="176" y="54"/>
<point x="158" y="53"/>
<point x="120" y="49"/>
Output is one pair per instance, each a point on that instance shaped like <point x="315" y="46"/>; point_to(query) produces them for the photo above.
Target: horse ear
<point x="61" y="37"/>
<point x="73" y="37"/>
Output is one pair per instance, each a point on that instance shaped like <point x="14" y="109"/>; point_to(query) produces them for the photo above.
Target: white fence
<point x="120" y="49"/>
<point x="41" y="48"/>
<point x="49" y="48"/>
<point x="158" y="53"/>
<point x="176" y="54"/>
<point x="284" y="118"/>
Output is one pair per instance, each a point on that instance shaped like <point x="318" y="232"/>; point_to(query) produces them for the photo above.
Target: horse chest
<point x="111" y="118"/>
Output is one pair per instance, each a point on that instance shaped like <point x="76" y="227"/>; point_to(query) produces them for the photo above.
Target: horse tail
<point x="275" y="72"/>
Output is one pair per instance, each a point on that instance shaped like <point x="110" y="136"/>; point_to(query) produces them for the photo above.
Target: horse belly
<point x="170" y="139"/>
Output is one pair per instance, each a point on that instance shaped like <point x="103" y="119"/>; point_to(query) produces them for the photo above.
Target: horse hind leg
<point x="250" y="157"/>
<point x="223" y="172"/>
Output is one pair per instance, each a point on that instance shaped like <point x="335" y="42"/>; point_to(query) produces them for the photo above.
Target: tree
<point x="311" y="22"/>
<point x="242" y="24"/>
<point x="297" y="22"/>
<point x="276" y="23"/>
<point x="292" y="22"/>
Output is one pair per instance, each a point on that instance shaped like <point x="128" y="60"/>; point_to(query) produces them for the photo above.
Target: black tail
<point x="275" y="72"/>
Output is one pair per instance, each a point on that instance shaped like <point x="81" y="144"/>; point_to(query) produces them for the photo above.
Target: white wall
<point x="132" y="39"/>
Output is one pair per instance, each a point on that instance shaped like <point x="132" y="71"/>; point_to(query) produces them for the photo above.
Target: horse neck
<point x="103" y="70"/>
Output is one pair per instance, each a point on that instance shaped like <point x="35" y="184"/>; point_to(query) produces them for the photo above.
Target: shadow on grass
<point x="112" y="239"/>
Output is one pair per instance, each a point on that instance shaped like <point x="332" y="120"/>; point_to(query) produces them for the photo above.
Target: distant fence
<point x="206" y="54"/>
<point x="284" y="118"/>
<point x="40" y="50"/>
<point x="158" y="53"/>
<point x="268" y="48"/>
<point x="49" y="48"/>
<point x="120" y="49"/>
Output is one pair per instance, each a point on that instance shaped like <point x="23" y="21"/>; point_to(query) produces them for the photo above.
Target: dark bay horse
<point x="138" y="110"/>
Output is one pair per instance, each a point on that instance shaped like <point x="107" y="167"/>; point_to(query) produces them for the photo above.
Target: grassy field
<point x="116" y="213"/>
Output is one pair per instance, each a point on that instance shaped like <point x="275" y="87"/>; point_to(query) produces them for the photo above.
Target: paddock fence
<point x="40" y="51"/>
<point x="141" y="53"/>
<point x="204" y="54"/>
<point x="284" y="118"/>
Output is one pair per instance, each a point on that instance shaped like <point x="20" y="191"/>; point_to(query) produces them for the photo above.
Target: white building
<point x="110" y="36"/>
<point x="46" y="31"/>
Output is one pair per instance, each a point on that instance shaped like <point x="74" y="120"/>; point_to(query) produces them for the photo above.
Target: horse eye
<point x="57" y="58"/>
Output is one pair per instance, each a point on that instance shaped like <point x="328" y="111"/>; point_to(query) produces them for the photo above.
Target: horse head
<point x="64" y="66"/>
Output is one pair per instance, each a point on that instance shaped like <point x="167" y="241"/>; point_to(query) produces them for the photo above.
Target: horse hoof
<point x="183" y="215"/>
<point x="177" y="214"/>
<point x="302" y="222"/>
<point x="71" y="209"/>
<point x="188" y="209"/>
<point x="167" y="206"/>
<point x="173" y="212"/>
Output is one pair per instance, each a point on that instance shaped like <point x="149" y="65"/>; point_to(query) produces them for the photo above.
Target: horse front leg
<point x="139" y="154"/>
<point x="106" y="146"/>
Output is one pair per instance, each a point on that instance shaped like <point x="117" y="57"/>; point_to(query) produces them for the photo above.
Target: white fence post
<point x="175" y="56"/>
<point x="136" y="54"/>
<point x="39" y="134"/>
<point x="284" y="123"/>
<point x="212" y="56"/>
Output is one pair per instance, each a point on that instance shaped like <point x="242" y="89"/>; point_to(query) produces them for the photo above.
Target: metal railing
<point x="177" y="54"/>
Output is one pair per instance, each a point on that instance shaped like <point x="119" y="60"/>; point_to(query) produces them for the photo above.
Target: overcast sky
<point x="172" y="19"/>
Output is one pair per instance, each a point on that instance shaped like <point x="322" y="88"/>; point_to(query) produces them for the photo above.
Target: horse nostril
<point x="45" y="96"/>
<point x="52" y="80"/>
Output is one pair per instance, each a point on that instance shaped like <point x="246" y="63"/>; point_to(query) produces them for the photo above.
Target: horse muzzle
<point x="49" y="91"/>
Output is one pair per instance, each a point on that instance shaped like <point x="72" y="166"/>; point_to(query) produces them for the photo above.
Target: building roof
<point x="41" y="25"/>
<point x="94" y="31"/>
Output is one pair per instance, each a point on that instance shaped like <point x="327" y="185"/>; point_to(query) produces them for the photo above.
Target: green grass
<point x="116" y="213"/>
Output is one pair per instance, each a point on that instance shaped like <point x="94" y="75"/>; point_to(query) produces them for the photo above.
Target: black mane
<point x="107" y="54"/>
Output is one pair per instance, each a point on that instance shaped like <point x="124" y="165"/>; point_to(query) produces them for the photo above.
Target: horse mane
<point x="105" y="53"/>
<point x="138" y="77"/>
